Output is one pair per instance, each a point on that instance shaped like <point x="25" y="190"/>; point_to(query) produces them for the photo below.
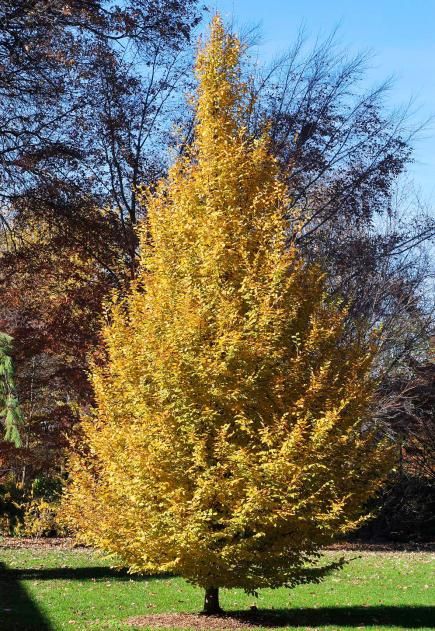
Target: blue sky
<point x="399" y="33"/>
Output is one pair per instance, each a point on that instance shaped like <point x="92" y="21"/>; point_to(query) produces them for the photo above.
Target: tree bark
<point x="211" y="601"/>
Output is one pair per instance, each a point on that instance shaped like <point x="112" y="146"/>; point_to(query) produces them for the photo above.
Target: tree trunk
<point x="211" y="601"/>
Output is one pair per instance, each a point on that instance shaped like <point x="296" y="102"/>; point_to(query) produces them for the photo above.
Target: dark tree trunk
<point x="211" y="601"/>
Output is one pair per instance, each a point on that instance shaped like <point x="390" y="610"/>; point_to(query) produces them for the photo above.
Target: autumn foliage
<point x="229" y="440"/>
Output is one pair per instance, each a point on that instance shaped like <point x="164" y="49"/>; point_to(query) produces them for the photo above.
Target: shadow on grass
<point x="18" y="612"/>
<point x="76" y="573"/>
<point x="406" y="616"/>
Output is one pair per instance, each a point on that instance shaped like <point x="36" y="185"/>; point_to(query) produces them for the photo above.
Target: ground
<point x="56" y="587"/>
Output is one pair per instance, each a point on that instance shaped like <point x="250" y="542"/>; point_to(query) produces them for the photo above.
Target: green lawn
<point x="76" y="589"/>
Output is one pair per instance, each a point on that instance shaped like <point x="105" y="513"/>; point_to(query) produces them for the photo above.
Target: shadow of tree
<point x="76" y="573"/>
<point x="406" y="616"/>
<point x="18" y="611"/>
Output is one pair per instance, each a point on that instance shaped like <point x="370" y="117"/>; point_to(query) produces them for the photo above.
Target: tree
<point x="405" y="510"/>
<point x="46" y="47"/>
<point x="9" y="406"/>
<point x="101" y="75"/>
<point x="344" y="154"/>
<point x="230" y="439"/>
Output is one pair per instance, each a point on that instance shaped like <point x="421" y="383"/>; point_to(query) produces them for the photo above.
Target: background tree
<point x="95" y="75"/>
<point x="9" y="406"/>
<point x="344" y="154"/>
<point x="231" y="437"/>
<point x="406" y="507"/>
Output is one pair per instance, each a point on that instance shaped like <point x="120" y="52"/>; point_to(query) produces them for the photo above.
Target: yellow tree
<point x="228" y="441"/>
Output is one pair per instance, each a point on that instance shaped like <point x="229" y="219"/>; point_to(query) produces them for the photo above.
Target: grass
<point x="56" y="589"/>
